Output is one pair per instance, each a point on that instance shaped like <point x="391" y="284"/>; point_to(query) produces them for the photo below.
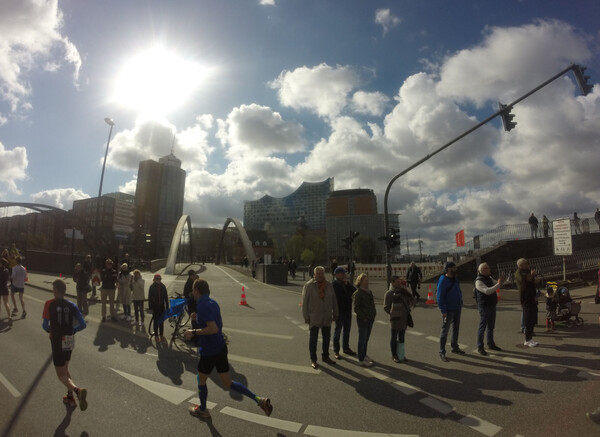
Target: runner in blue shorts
<point x="213" y="351"/>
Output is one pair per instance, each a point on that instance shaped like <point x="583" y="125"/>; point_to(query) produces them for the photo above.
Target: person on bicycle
<point x="212" y="349"/>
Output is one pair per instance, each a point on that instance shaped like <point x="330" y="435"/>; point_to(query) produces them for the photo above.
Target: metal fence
<point x="520" y="231"/>
<point x="551" y="267"/>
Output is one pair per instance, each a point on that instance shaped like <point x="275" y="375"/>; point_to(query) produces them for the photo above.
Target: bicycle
<point x="177" y="317"/>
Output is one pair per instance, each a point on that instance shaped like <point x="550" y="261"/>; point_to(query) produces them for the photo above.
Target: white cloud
<point x="258" y="130"/>
<point x="267" y="2"/>
<point x="30" y="34"/>
<point x="13" y="166"/>
<point x="59" y="197"/>
<point x="386" y="20"/>
<point x="322" y="89"/>
<point x="369" y="103"/>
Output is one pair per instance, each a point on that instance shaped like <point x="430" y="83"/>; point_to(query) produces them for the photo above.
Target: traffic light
<point x="347" y="243"/>
<point x="582" y="79"/>
<point x="506" y="117"/>
<point x="394" y="237"/>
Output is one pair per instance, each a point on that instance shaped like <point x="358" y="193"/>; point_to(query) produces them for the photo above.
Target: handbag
<point x="409" y="320"/>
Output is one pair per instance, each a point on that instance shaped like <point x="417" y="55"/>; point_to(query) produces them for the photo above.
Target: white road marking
<point x="272" y="422"/>
<point x="11" y="388"/>
<point x="261" y="334"/>
<point x="381" y="322"/>
<point x="588" y="375"/>
<point x="439" y="406"/>
<point x="196" y="401"/>
<point x="516" y="360"/>
<point x="273" y="365"/>
<point x="232" y="278"/>
<point x="486" y="428"/>
<point x="405" y="388"/>
<point x="432" y="338"/>
<point x="553" y="368"/>
<point x="175" y="395"/>
<point x="320" y="431"/>
<point x="411" y="332"/>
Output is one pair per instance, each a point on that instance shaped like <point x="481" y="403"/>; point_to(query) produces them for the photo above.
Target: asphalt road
<point x="139" y="389"/>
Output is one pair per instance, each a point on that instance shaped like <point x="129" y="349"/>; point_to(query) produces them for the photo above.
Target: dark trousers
<point x="138" y="308"/>
<point x="529" y="319"/>
<point x="314" y="336"/>
<point x="452" y="318"/>
<point x="159" y="328"/>
<point x="487" y="320"/>
<point x="397" y="337"/>
<point x="364" y="333"/>
<point x="344" y="322"/>
<point x="413" y="287"/>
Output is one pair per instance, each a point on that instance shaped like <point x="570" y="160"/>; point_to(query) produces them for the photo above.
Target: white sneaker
<point x="534" y="343"/>
<point x="128" y="318"/>
<point x="365" y="363"/>
<point x="530" y="343"/>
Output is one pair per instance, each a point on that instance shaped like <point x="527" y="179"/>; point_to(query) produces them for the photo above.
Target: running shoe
<point x="15" y="311"/>
<point x="265" y="405"/>
<point x="81" y="395"/>
<point x="197" y="412"/>
<point x="70" y="401"/>
<point x="24" y="314"/>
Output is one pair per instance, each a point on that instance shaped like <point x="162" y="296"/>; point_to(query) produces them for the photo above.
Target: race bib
<point x="68" y="342"/>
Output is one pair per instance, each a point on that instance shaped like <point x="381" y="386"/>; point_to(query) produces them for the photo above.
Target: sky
<point x="257" y="96"/>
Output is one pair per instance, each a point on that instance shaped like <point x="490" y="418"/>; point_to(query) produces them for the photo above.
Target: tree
<point x="307" y="256"/>
<point x="295" y="246"/>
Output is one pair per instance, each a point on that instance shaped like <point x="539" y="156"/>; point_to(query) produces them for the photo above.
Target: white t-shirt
<point x="18" y="276"/>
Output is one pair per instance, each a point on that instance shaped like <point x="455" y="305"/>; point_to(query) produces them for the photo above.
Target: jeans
<point x="452" y="318"/>
<point x="344" y="322"/>
<point x="364" y="332"/>
<point x="529" y="316"/>
<point x="314" y="336"/>
<point x="413" y="288"/>
<point x="397" y="337"/>
<point x="82" y="302"/>
<point x="487" y="319"/>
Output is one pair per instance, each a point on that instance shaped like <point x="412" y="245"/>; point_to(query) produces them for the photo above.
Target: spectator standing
<point x="533" y="224"/>
<point x="344" y="290"/>
<point x="88" y="268"/>
<point x="414" y="277"/>
<point x="82" y="287"/>
<point x="108" y="286"/>
<point x="17" y="277"/>
<point x="334" y="265"/>
<point x="398" y="302"/>
<point x="551" y="306"/>
<point x="124" y="284"/>
<point x="351" y="270"/>
<point x="62" y="320"/>
<point x="212" y="349"/>
<point x="577" y="223"/>
<point x="449" y="298"/>
<point x="138" y="296"/>
<point x="597" y="217"/>
<point x="364" y="307"/>
<point x="319" y="309"/>
<point x="487" y="299"/>
<point x="292" y="267"/>
<point x="4" y="275"/>
<point x="526" y="284"/>
<point x="158" y="301"/>
<point x="545" y="226"/>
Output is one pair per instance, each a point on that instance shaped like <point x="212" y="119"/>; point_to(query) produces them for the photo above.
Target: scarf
<point x="322" y="286"/>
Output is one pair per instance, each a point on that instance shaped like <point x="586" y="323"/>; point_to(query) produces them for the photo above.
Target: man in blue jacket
<point x="449" y="298"/>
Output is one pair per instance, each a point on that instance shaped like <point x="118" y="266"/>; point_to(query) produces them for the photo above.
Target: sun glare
<point x="157" y="81"/>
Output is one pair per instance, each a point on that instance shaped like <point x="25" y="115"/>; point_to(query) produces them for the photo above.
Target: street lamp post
<point x="111" y="123"/>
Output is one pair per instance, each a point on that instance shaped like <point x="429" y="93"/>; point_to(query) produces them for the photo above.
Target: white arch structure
<point x="172" y="259"/>
<point x="245" y="241"/>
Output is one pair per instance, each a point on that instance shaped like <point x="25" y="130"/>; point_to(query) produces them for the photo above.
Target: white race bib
<point x="68" y="342"/>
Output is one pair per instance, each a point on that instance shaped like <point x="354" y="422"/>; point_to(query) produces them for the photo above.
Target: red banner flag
<point x="460" y="238"/>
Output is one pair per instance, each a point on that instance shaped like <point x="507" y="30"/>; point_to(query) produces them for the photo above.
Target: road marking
<point x="414" y="332"/>
<point x="261" y="334"/>
<point x="232" y="278"/>
<point x="432" y="338"/>
<point x="588" y="375"/>
<point x="273" y="365"/>
<point x="553" y="368"/>
<point x="11" y="388"/>
<point x="285" y="425"/>
<point x="381" y="322"/>
<point x="175" y="395"/>
<point x="486" y="428"/>
<point x="516" y="360"/>
<point x="320" y="431"/>
<point x="405" y="388"/>
<point x="439" y="406"/>
<point x="196" y="401"/>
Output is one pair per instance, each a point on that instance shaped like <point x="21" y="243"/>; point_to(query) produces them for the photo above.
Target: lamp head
<point x="109" y="121"/>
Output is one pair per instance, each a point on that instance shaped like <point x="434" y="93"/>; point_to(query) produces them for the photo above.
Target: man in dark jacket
<point x="158" y="301"/>
<point x="343" y="293"/>
<point x="533" y="224"/>
<point x="414" y="277"/>
<point x="526" y="284"/>
<point x="449" y="298"/>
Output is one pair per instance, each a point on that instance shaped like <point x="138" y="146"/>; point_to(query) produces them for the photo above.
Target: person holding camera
<point x="525" y="278"/>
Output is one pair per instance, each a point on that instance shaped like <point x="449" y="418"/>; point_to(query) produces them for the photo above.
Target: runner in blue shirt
<point x="213" y="351"/>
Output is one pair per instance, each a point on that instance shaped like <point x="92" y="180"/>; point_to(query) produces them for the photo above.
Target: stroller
<point x="568" y="309"/>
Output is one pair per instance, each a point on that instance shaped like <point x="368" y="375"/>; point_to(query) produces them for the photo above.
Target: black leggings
<point x="159" y="328"/>
<point x="138" y="305"/>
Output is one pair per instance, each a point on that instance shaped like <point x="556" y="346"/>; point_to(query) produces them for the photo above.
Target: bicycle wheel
<point x="151" y="327"/>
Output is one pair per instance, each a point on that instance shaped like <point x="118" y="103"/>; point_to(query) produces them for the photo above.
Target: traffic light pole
<point x="445" y="146"/>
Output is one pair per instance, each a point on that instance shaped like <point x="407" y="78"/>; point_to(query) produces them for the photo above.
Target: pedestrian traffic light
<point x="582" y="79"/>
<point x="394" y="237"/>
<point x="506" y="117"/>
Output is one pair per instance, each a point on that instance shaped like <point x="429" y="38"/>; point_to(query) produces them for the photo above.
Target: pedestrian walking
<point x="88" y="269"/>
<point x="124" y="284"/>
<point x="364" y="308"/>
<point x="82" y="285"/>
<point x="487" y="300"/>
<point x="17" y="277"/>
<point x="319" y="310"/>
<point x="62" y="320"/>
<point x="344" y="290"/>
<point x="525" y="279"/>
<point x="108" y="276"/>
<point x="212" y="349"/>
<point x="138" y="296"/>
<point x="414" y="277"/>
<point x="577" y="223"/>
<point x="449" y="298"/>
<point x="158" y="301"/>
<point x="398" y="302"/>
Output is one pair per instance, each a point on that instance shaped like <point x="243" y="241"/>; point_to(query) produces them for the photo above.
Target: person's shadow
<point x="61" y="430"/>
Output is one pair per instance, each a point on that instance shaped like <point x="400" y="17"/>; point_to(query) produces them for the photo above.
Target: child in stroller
<point x="568" y="309"/>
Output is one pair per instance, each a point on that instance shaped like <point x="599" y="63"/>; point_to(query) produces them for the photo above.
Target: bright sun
<point x="157" y="81"/>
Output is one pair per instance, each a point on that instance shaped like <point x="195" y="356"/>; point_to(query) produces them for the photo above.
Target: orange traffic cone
<point x="498" y="295"/>
<point x="243" y="301"/>
<point x="430" y="300"/>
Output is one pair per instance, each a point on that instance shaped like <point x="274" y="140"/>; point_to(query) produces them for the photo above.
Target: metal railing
<point x="520" y="231"/>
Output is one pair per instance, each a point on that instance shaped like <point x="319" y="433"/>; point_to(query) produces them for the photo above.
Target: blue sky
<point x="258" y="96"/>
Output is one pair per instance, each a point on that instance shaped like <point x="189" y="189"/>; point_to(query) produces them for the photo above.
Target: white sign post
<point x="563" y="241"/>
